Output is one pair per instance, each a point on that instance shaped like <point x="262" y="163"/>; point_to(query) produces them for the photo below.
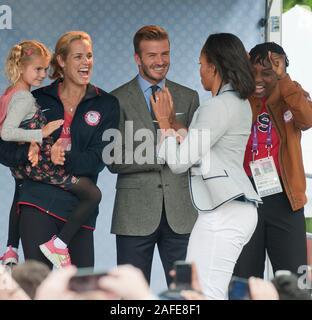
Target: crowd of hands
<point x="123" y="282"/>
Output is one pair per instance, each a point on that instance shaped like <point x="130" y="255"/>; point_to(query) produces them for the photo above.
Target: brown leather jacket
<point x="290" y="109"/>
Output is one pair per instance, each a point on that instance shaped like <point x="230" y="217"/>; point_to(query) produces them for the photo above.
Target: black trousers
<point x="13" y="234"/>
<point x="139" y="250"/>
<point x="281" y="232"/>
<point x="37" y="227"/>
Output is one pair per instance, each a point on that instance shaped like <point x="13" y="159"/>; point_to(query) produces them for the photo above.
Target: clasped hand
<point x="165" y="114"/>
<point x="57" y="153"/>
<point x="163" y="108"/>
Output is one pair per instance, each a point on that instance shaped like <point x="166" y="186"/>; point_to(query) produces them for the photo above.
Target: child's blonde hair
<point x="21" y="54"/>
<point x="62" y="49"/>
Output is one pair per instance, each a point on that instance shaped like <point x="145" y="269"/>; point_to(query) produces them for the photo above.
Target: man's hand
<point x="58" y="153"/>
<point x="278" y="64"/>
<point x="33" y="153"/>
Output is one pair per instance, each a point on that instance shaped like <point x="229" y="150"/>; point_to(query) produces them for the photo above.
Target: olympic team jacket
<point x="11" y="154"/>
<point x="97" y="112"/>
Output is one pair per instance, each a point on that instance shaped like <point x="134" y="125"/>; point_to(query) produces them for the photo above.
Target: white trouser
<point x="216" y="242"/>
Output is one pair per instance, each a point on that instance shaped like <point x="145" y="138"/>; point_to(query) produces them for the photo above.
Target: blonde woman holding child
<point x="23" y="120"/>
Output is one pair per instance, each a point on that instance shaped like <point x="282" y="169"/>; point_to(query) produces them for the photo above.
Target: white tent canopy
<point x="297" y="43"/>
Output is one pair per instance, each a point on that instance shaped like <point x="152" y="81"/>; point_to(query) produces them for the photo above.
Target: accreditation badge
<point x="265" y="177"/>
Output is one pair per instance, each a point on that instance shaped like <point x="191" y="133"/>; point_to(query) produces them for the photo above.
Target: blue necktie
<point x="154" y="90"/>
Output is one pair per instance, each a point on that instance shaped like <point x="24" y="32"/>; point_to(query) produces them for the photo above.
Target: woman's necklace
<point x="69" y="105"/>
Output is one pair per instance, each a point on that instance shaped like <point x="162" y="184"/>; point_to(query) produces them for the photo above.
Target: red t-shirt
<point x="65" y="135"/>
<point x="262" y="125"/>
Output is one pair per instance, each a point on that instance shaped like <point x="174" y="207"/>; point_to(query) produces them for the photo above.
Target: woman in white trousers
<point x="213" y="152"/>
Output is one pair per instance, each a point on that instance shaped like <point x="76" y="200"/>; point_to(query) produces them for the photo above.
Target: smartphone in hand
<point x="183" y="275"/>
<point x="86" y="280"/>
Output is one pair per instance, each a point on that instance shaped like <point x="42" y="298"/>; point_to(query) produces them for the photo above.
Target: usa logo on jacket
<point x="288" y="116"/>
<point x="92" y="118"/>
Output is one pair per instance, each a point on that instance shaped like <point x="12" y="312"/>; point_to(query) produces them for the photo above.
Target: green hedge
<point x="309" y="224"/>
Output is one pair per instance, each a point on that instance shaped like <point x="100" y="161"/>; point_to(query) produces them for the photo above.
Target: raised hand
<point x="51" y="127"/>
<point x="278" y="64"/>
<point x="163" y="108"/>
<point x="33" y="153"/>
<point x="58" y="153"/>
<point x="172" y="117"/>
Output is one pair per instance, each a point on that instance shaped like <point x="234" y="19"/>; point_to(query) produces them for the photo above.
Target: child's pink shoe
<point x="10" y="258"/>
<point x="60" y="258"/>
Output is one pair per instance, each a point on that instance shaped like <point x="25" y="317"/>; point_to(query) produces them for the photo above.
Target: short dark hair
<point x="227" y="52"/>
<point x="150" y="32"/>
<point x="29" y="275"/>
<point x="260" y="52"/>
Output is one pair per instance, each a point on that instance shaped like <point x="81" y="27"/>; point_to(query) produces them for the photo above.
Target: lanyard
<point x="254" y="148"/>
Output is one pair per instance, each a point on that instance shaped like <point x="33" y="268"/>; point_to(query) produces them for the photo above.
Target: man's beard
<point x="148" y="75"/>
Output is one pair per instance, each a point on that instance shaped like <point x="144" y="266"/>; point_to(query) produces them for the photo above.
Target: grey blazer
<point x="216" y="168"/>
<point x="142" y="188"/>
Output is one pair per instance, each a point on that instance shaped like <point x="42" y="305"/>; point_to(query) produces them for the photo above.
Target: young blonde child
<point x="23" y="121"/>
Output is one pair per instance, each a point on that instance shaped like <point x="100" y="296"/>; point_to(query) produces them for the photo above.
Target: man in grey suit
<point x="152" y="205"/>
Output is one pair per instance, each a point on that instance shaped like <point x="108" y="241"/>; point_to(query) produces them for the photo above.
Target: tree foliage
<point x="288" y="4"/>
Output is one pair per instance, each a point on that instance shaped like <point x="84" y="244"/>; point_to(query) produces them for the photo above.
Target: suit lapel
<point x="138" y="104"/>
<point x="176" y="96"/>
<point x="173" y="91"/>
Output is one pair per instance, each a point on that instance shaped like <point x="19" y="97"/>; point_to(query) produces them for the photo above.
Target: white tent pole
<point x="274" y="21"/>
